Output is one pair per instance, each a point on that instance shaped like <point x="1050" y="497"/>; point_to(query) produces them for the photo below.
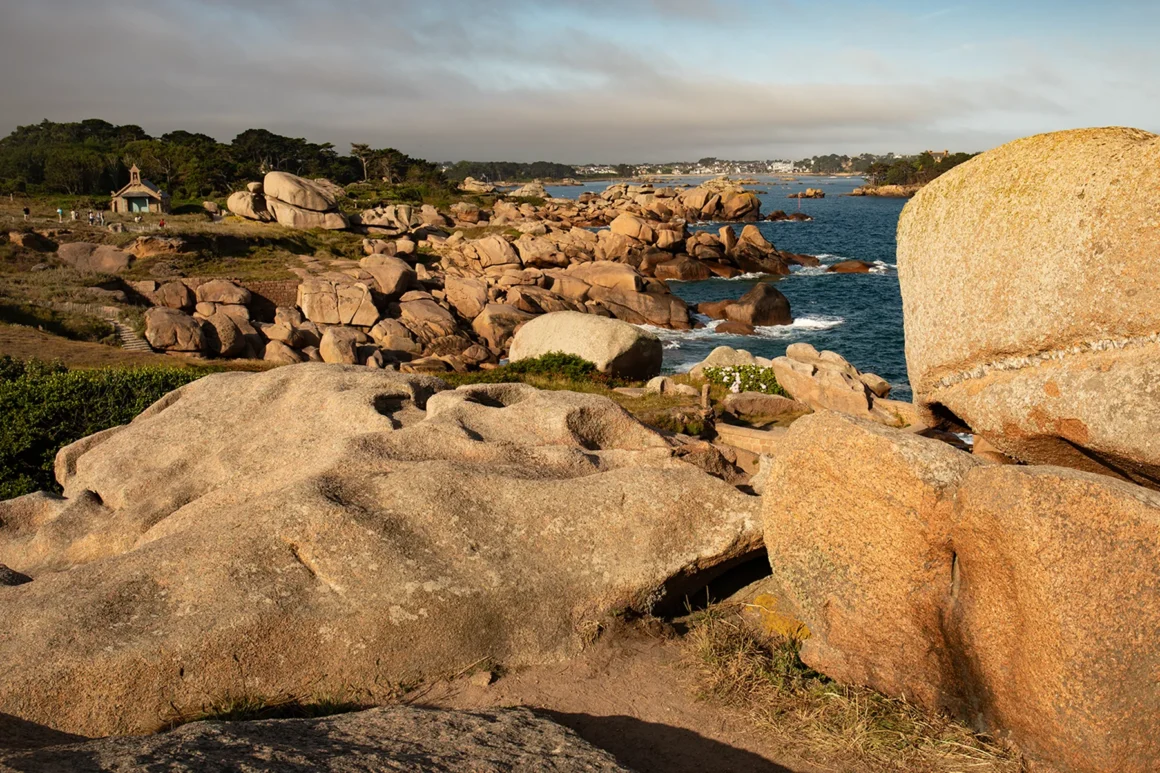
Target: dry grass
<point x="247" y="707"/>
<point x="847" y="728"/>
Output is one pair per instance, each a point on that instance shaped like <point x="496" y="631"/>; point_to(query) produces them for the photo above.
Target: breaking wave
<point x="673" y="339"/>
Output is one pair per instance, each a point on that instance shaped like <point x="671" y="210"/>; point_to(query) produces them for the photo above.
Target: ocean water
<point x="857" y="315"/>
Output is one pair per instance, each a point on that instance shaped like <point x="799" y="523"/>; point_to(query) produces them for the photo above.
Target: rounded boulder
<point x="1031" y="304"/>
<point x="616" y="348"/>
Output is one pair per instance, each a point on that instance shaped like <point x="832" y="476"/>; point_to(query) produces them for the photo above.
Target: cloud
<point x="598" y="80"/>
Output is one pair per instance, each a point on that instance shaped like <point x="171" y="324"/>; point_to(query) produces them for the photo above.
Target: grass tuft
<point x="809" y="714"/>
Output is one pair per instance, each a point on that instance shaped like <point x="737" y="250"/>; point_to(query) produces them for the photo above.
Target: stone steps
<point x="130" y="341"/>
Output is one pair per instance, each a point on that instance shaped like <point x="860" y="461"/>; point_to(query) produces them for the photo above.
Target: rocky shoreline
<point x="427" y="298"/>
<point x="887" y="191"/>
<point x="339" y="527"/>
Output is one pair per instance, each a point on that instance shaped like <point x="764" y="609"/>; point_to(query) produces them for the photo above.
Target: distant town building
<point x="140" y="196"/>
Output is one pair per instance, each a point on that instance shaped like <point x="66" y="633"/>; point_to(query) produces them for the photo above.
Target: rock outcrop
<point x="826" y="381"/>
<point x="295" y="202"/>
<point x="616" y="348"/>
<point x="394" y="738"/>
<point x="1025" y="600"/>
<point x="761" y="306"/>
<point x="94" y="258"/>
<point x="173" y="330"/>
<point x="316" y="529"/>
<point x="471" y="185"/>
<point x="1030" y="300"/>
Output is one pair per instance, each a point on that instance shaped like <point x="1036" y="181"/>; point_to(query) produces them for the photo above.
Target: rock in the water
<point x="392" y="738"/>
<point x="173" y="330"/>
<point x="761" y="306"/>
<point x="314" y="528"/>
<point x="850" y="267"/>
<point x="684" y="269"/>
<point x="730" y="327"/>
<point x="616" y="348"/>
<point x="1031" y="304"/>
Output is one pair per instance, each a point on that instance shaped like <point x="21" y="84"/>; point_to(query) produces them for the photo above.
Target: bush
<point x="551" y="366"/>
<point x="45" y="407"/>
<point x="745" y="378"/>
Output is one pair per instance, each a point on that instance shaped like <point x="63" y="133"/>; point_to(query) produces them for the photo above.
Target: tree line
<point x="511" y="171"/>
<point x="885" y="170"/>
<point x="914" y="170"/>
<point x="93" y="158"/>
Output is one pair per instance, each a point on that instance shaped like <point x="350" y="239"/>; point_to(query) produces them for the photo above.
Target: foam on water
<point x="857" y="315"/>
<point x="673" y="339"/>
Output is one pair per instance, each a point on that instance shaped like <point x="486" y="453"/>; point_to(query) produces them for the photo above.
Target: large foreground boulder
<point x="1031" y="302"/>
<point x="616" y="348"/>
<point x="315" y="530"/>
<point x="394" y="738"/>
<point x="1025" y="600"/>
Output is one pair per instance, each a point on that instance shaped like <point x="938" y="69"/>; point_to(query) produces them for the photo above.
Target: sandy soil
<point x="630" y="695"/>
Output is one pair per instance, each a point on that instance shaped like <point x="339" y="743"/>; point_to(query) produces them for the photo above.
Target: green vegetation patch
<point x="564" y="369"/>
<point x="745" y="378"/>
<point x="76" y="327"/>
<point x="44" y="407"/>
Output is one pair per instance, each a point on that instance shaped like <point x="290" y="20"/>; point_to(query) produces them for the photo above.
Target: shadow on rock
<point x="649" y="747"/>
<point x="17" y="734"/>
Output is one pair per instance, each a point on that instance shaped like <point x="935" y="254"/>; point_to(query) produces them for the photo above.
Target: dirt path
<point x="629" y="695"/>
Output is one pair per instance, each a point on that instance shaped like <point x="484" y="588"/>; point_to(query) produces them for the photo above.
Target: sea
<point x="856" y="315"/>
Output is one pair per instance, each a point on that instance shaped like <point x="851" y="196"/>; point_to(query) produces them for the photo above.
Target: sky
<point x="587" y="81"/>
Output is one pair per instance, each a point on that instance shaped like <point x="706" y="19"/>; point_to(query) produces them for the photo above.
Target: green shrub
<point x="553" y="365"/>
<point x="45" y="407"/>
<point x="745" y="378"/>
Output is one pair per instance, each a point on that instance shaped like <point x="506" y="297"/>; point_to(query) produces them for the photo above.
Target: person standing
<point x="26" y="213"/>
<point x="90" y="217"/>
<point x="73" y="214"/>
<point x="59" y="215"/>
